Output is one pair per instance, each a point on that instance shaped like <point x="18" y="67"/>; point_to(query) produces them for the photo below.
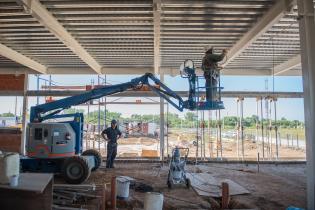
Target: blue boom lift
<point x="54" y="142"/>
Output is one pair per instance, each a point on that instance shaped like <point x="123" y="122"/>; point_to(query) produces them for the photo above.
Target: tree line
<point x="174" y="121"/>
<point x="188" y="121"/>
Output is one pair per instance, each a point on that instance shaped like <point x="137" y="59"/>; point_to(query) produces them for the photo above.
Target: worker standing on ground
<point x="212" y="72"/>
<point x="112" y="135"/>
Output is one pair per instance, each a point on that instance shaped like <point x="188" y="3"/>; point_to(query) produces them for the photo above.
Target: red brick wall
<point x="10" y="142"/>
<point x="11" y="82"/>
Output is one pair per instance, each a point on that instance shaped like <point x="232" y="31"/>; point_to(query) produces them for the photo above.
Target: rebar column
<point x="257" y="124"/>
<point x="217" y="133"/>
<point x="203" y="134"/>
<point x="220" y="133"/>
<point x="276" y="127"/>
<point x="241" y="99"/>
<point x="197" y="135"/>
<point x="270" y="129"/>
<point x="167" y="125"/>
<point x="262" y="128"/>
<point x="209" y="133"/>
<point x="237" y="129"/>
<point x="99" y="119"/>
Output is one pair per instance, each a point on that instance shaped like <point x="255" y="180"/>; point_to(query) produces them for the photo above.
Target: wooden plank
<point x="225" y="195"/>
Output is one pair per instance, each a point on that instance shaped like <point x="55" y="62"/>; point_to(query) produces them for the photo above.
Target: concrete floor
<point x="275" y="187"/>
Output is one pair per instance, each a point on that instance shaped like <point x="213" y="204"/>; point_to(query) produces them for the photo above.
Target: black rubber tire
<point x="77" y="165"/>
<point x="97" y="156"/>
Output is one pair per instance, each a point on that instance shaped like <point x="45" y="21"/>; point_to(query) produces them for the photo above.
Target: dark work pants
<point x="111" y="154"/>
<point x="211" y="90"/>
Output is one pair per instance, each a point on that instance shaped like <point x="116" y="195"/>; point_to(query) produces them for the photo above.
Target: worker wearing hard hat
<point x="112" y="135"/>
<point x="211" y="71"/>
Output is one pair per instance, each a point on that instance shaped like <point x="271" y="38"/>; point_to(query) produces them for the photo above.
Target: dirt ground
<point x="275" y="187"/>
<point x="140" y="146"/>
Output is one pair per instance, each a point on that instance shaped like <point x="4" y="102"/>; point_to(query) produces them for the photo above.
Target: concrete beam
<point x="307" y="33"/>
<point x="157" y="32"/>
<point x="274" y="14"/>
<point x="22" y="59"/>
<point x="131" y="71"/>
<point x="288" y="65"/>
<point x="39" y="12"/>
<point x="224" y="94"/>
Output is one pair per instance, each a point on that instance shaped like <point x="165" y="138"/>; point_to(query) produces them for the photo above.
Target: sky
<point x="289" y="108"/>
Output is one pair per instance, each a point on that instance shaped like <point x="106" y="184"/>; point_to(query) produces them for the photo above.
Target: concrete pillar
<point x="162" y="123"/>
<point x="307" y="34"/>
<point x="24" y="113"/>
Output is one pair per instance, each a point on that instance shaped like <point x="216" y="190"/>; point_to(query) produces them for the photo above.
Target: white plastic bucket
<point x="153" y="201"/>
<point x="14" y="180"/>
<point x="122" y="188"/>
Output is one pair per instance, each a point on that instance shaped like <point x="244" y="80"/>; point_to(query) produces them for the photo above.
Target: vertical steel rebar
<point x="99" y="118"/>
<point x="276" y="127"/>
<point x="237" y="130"/>
<point x="257" y="124"/>
<point x="209" y="133"/>
<point x="270" y="129"/>
<point x="217" y="132"/>
<point x="167" y="125"/>
<point x="262" y="128"/>
<point x="220" y="134"/>
<point x="241" y="125"/>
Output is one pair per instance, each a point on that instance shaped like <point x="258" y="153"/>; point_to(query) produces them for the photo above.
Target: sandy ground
<point x="275" y="187"/>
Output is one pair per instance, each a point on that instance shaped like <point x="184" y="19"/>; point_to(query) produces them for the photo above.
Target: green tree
<point x="190" y="116"/>
<point x="7" y="114"/>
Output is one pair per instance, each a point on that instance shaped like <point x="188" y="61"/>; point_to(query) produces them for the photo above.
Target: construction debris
<point x="88" y="196"/>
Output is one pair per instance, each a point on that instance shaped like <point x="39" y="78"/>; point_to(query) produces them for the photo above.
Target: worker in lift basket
<point x="211" y="71"/>
<point x="112" y="135"/>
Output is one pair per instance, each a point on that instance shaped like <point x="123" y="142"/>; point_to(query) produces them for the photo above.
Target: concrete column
<point x="162" y="123"/>
<point x="24" y="113"/>
<point x="307" y="34"/>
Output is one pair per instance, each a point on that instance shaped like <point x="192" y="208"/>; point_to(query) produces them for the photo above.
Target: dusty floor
<point x="275" y="187"/>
